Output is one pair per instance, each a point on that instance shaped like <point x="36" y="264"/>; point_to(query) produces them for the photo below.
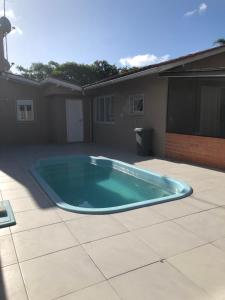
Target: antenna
<point x="5" y="28"/>
<point x="6" y="41"/>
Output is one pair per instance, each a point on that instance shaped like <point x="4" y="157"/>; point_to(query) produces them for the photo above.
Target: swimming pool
<point x="95" y="185"/>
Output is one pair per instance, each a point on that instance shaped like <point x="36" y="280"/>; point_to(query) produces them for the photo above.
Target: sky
<point x="123" y="32"/>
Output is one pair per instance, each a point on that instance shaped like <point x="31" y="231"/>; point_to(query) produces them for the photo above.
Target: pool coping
<point x="54" y="197"/>
<point x="9" y="218"/>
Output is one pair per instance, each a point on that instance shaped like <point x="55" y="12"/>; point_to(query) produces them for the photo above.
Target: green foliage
<point x="38" y="71"/>
<point x="80" y="74"/>
<point x="220" y="42"/>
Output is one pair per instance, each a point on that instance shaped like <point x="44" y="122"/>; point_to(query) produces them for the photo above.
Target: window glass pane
<point x="136" y="104"/>
<point x="131" y="104"/>
<point x="104" y="109"/>
<point x="25" y="110"/>
<point x="97" y="109"/>
<point x="28" y="107"/>
<point x="109" y="109"/>
<point x="210" y="111"/>
<point x="101" y="109"/>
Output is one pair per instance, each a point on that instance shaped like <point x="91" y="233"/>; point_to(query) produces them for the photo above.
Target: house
<point x="183" y="100"/>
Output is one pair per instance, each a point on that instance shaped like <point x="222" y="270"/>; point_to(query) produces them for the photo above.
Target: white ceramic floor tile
<point x="213" y="195"/>
<point x="59" y="273"/>
<point x="100" y="291"/>
<point x="34" y="218"/>
<point x="218" y="212"/>
<point x="168" y="239"/>
<point x="140" y="217"/>
<point x="67" y="215"/>
<point x="43" y="240"/>
<point x="23" y="204"/>
<point x="220" y="244"/>
<point x="175" y="209"/>
<point x="13" y="287"/>
<point x="93" y="228"/>
<point x="207" y="226"/>
<point x="158" y="281"/>
<point x="119" y="254"/>
<point x="7" y="251"/>
<point x="201" y="204"/>
<point x="14" y="185"/>
<point x="4" y="231"/>
<point x="205" y="266"/>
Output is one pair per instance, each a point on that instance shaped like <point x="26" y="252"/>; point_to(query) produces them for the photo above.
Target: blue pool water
<point x="90" y="184"/>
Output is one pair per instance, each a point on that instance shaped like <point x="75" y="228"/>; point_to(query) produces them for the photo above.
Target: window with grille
<point x="25" y="110"/>
<point x="104" y="107"/>
<point x="136" y="104"/>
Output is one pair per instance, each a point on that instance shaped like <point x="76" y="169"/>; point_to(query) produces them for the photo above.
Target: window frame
<point x="132" y="111"/>
<point x="25" y="102"/>
<point x="96" y="113"/>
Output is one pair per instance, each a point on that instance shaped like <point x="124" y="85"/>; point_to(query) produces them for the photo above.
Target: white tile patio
<point x="204" y="266"/>
<point x="94" y="227"/>
<point x="43" y="240"/>
<point x="120" y="254"/>
<point x="54" y="254"/>
<point x="59" y="273"/>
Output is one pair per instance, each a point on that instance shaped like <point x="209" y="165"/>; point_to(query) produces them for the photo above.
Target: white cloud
<point x="200" y="10"/>
<point x="191" y="13"/>
<point x="9" y="14"/>
<point x="143" y="60"/>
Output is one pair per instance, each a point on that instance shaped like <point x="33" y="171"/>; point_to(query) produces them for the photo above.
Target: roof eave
<point x="20" y="79"/>
<point x="158" y="69"/>
<point x="61" y="83"/>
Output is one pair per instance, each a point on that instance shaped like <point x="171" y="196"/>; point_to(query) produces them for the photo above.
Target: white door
<point x="74" y="120"/>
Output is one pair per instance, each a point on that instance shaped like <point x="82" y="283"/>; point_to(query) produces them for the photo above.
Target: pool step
<point x="6" y="214"/>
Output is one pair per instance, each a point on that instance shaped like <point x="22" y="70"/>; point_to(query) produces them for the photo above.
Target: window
<point x="196" y="107"/>
<point x="136" y="104"/>
<point x="104" y="109"/>
<point x="25" y="110"/>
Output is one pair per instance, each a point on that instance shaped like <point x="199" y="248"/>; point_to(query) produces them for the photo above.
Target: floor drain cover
<point x="6" y="214"/>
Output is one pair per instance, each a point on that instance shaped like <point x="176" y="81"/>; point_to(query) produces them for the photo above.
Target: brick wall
<point x="197" y="149"/>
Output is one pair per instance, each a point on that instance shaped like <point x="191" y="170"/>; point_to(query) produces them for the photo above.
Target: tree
<point x="103" y="69"/>
<point x="220" y="42"/>
<point x="70" y="71"/>
<point x="38" y="71"/>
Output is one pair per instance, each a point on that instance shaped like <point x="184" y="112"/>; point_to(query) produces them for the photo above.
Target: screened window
<point x="105" y="109"/>
<point x="136" y="104"/>
<point x="197" y="107"/>
<point x="25" y="110"/>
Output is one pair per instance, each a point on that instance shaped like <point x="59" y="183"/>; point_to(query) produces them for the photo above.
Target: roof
<point x="157" y="68"/>
<point x="49" y="80"/>
<point x="144" y="71"/>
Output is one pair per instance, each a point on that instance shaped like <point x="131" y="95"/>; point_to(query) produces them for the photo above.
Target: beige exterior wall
<point x="49" y="123"/>
<point x="121" y="133"/>
<point x="13" y="131"/>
